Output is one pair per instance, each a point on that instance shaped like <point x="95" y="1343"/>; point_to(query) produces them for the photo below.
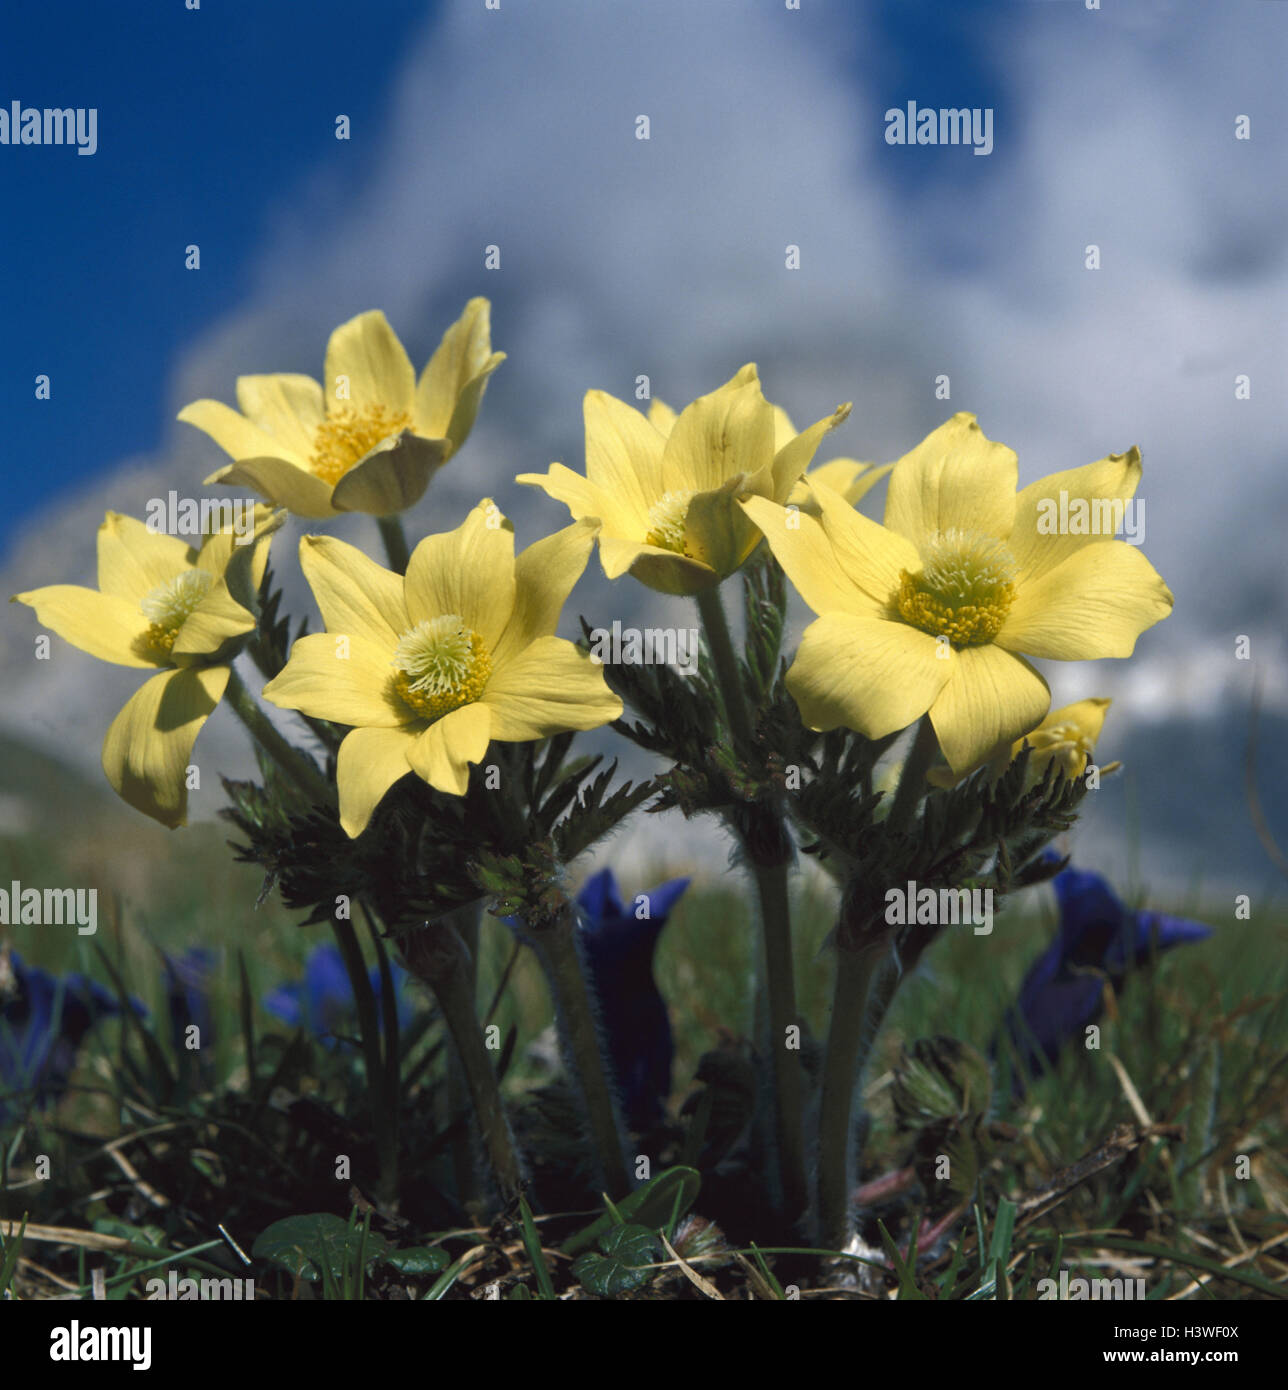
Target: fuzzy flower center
<point x="666" y="518"/>
<point x="349" y="435"/>
<point x="1067" y="743"/>
<point x="964" y="590"/>
<point x="440" y="665"/>
<point x="171" y="604"/>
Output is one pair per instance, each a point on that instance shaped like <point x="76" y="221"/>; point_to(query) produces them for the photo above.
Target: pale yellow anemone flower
<point x="664" y="488"/>
<point x="161" y="605"/>
<point x="428" y="668"/>
<point x="1066" y="737"/>
<point x="934" y="610"/>
<point x="370" y="437"/>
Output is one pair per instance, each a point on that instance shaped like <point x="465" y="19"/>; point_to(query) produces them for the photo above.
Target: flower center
<point x="349" y="435"/>
<point x="171" y="604"/>
<point x="440" y="665"/>
<point x="666" y="518"/>
<point x="1065" y="742"/>
<point x="964" y="590"/>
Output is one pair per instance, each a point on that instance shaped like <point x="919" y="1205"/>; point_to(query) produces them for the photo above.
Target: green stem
<point x="299" y="768"/>
<point x="780" y="992"/>
<point x="726" y="663"/>
<point x="557" y="944"/>
<point x="383" y="1121"/>
<point x="466" y="921"/>
<point x="912" y="781"/>
<point x="395" y="539"/>
<point x="452" y="983"/>
<point x="848" y="1041"/>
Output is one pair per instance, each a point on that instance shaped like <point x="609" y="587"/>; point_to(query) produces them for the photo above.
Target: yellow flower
<point x="664" y="488"/>
<point x="852" y="479"/>
<point x="427" y="669"/>
<point x="932" y="610"/>
<point x="1066" y="737"/>
<point x="372" y="439"/>
<point x="161" y="605"/>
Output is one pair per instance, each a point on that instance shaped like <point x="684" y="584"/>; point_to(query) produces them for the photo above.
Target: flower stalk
<point x="557" y="946"/>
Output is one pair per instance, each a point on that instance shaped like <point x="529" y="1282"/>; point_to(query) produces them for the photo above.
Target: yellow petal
<point x="218" y="619"/>
<point x="865" y="674"/>
<point x="133" y="560"/>
<point x="366" y="352"/>
<point x="104" y="625"/>
<point x="784" y="430"/>
<point x="582" y="498"/>
<point x="550" y="687"/>
<point x="873" y="556"/>
<point x="392" y="477"/>
<point x="288" y="406"/>
<point x="955" y="479"/>
<point x="241" y="559"/>
<point x="716" y="531"/>
<point x="728" y="432"/>
<point x="659" y="569"/>
<point x="623" y="457"/>
<point x="469" y="572"/>
<point x="345" y="678"/>
<point x="544" y="575"/>
<point x="451" y="386"/>
<point x="235" y="434"/>
<point x="369" y="763"/>
<point x="847" y="477"/>
<point x="661" y="417"/>
<point x="1095" y="604"/>
<point x="353" y="593"/>
<point x="794" y="457"/>
<point x="1101" y="487"/>
<point x="148" y="748"/>
<point x="443" y="753"/>
<point x="281" y="482"/>
<point x="992" y="696"/>
<point x="801" y="547"/>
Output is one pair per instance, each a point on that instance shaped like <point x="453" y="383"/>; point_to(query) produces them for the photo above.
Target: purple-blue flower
<point x="323" y="1001"/>
<point x="187" y="985"/>
<point x="1098" y="939"/>
<point x="43" y="1021"/>
<point x="619" y="943"/>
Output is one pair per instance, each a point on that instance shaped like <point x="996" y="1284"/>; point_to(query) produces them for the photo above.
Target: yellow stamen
<point x="666" y="521"/>
<point x="440" y="665"/>
<point x="347" y="436"/>
<point x="171" y="604"/>
<point x="964" y="590"/>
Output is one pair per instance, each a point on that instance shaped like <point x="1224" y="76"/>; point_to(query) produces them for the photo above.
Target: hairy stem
<point x="301" y="769"/>
<point x="912" y="781"/>
<point x="729" y="676"/>
<point x="557" y="945"/>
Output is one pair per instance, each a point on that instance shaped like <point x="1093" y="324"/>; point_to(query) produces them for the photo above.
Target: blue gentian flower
<point x="323" y="1001"/>
<point x="619" y="947"/>
<point x="1098" y="939"/>
<point x="188" y="979"/>
<point x="43" y="1021"/>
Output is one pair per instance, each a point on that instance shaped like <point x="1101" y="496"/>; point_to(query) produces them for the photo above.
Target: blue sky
<point x="208" y="120"/>
<point x="1113" y="128"/>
